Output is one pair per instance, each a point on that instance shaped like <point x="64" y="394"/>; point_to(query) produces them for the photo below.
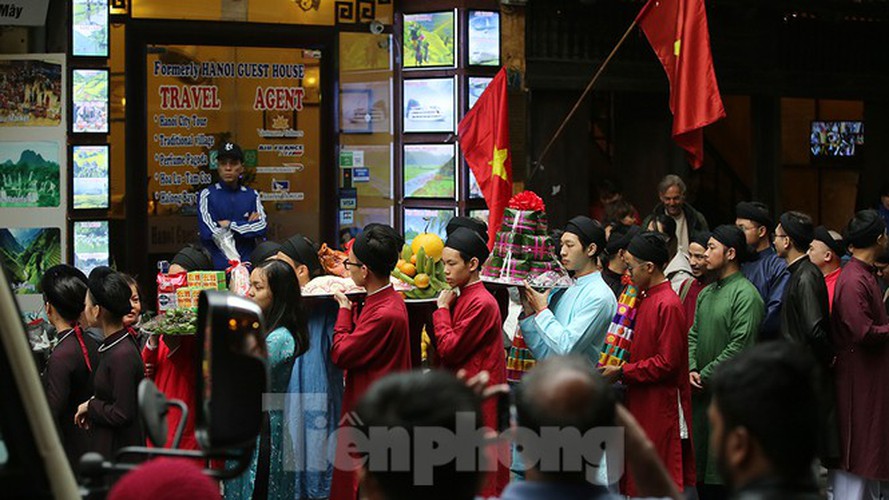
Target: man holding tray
<point x="468" y="328"/>
<point x="576" y="319"/>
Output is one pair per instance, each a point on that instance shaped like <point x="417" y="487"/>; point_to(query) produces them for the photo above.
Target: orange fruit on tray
<point x="413" y="259"/>
<point x="431" y="243"/>
<point x="422" y="280"/>
<point x="409" y="269"/>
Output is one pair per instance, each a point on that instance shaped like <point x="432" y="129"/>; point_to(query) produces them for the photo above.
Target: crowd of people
<point x="756" y="360"/>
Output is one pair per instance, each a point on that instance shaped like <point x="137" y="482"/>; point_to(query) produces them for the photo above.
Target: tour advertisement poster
<point x="267" y="100"/>
<point x="30" y="93"/>
<point x="484" y="38"/>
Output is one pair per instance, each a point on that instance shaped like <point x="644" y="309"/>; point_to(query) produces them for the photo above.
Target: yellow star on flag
<point x="497" y="163"/>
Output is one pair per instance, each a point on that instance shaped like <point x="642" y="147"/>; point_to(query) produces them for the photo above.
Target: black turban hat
<point x="733" y="237"/>
<point x="469" y="242"/>
<point x="302" y="251"/>
<point x="756" y="211"/>
<point x="620" y="238"/>
<point x="192" y="258"/>
<point x="864" y="229"/>
<point x="823" y="235"/>
<point x="588" y="231"/>
<point x="800" y="230"/>
<point x="650" y="246"/>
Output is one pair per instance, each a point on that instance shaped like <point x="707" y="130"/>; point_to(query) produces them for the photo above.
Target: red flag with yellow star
<point x="484" y="140"/>
<point x="677" y="31"/>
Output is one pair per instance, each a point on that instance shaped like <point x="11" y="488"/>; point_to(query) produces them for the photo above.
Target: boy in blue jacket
<point x="229" y="206"/>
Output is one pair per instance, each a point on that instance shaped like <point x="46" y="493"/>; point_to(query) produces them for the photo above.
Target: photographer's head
<point x="563" y="392"/>
<point x="412" y="401"/>
<point x="763" y="415"/>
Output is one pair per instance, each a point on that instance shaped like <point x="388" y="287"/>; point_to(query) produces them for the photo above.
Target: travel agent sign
<point x="266" y="100"/>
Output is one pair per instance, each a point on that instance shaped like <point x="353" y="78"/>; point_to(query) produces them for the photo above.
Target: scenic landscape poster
<point x="90" y="89"/>
<point x="484" y="38"/>
<point x="29" y="174"/>
<point x="27" y="253"/>
<point x="429" y="105"/>
<point x="429" y="171"/>
<point x="421" y="220"/>
<point x="90" y="245"/>
<point x="429" y="40"/>
<point x="32" y="94"/>
<point x="89" y="28"/>
<point x="90" y="176"/>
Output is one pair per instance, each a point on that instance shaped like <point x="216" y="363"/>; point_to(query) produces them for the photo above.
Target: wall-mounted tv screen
<point x="90" y="176"/>
<point x="839" y="139"/>
<point x="90" y="89"/>
<point x="429" y="171"/>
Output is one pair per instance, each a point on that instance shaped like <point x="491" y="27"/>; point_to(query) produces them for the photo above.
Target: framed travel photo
<point x="476" y="86"/>
<point x="90" y="98"/>
<point x="430" y="171"/>
<point x="426" y="220"/>
<point x="91" y="245"/>
<point x="429" y="40"/>
<point x="90" y="179"/>
<point x="484" y="38"/>
<point x="429" y="105"/>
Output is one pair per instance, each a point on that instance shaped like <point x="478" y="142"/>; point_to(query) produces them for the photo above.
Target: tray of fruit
<point x="420" y="267"/>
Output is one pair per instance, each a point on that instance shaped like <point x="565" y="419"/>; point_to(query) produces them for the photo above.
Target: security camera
<point x="377" y="27"/>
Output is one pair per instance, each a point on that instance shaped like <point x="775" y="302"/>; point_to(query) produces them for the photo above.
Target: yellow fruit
<point x="400" y="263"/>
<point x="431" y="243"/>
<point x="414" y="259"/>
<point x="422" y="280"/>
<point x="409" y="269"/>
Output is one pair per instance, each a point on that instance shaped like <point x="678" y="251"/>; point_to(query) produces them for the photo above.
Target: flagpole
<point x="538" y="164"/>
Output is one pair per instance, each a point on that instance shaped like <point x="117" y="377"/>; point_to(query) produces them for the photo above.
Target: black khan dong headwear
<point x="801" y="232"/>
<point x="472" y="223"/>
<point x="192" y="259"/>
<point x="620" y="238"/>
<point x="263" y="252"/>
<point x="587" y="230"/>
<point x="469" y="242"/>
<point x="823" y="235"/>
<point x="298" y="248"/>
<point x="865" y="228"/>
<point x="732" y="236"/>
<point x="756" y="211"/>
<point x="700" y="237"/>
<point x="650" y="246"/>
<point x="381" y="265"/>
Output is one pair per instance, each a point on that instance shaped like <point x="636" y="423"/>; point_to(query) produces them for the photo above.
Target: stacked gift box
<point x="523" y="248"/>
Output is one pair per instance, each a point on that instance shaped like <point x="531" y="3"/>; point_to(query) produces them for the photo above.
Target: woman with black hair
<point x="112" y="413"/>
<point x="273" y="288"/>
<point x="67" y="378"/>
